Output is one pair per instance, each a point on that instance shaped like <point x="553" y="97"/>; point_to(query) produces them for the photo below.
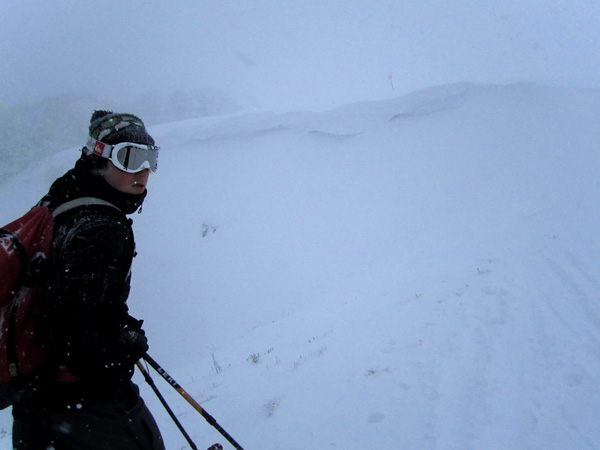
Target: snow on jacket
<point x="84" y="310"/>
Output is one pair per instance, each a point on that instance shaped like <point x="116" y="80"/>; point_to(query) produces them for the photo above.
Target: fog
<point x="280" y="55"/>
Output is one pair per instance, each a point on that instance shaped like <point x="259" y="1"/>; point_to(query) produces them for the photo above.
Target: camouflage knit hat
<point x="114" y="128"/>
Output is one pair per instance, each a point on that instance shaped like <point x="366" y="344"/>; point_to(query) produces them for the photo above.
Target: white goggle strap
<point x="98" y="148"/>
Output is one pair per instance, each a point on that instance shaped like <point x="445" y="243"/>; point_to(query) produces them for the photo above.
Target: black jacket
<point x="83" y="310"/>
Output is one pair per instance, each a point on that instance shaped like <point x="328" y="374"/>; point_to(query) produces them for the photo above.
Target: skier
<point x="84" y="323"/>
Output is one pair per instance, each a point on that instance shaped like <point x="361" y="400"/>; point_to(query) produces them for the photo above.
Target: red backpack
<point x="25" y="249"/>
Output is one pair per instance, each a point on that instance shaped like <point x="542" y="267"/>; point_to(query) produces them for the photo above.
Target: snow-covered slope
<point x="420" y="273"/>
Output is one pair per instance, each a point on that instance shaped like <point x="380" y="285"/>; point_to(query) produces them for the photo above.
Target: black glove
<point x="133" y="340"/>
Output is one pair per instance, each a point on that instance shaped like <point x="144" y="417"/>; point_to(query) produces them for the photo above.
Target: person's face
<point x="129" y="183"/>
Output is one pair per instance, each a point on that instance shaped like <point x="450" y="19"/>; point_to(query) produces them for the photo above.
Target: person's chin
<point x="137" y="189"/>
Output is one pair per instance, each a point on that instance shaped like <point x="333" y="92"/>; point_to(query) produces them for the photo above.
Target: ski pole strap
<point x="190" y="400"/>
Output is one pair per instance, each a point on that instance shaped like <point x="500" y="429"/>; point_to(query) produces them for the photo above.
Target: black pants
<point x="120" y="421"/>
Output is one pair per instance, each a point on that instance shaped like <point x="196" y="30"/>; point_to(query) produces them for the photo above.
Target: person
<point x="83" y="322"/>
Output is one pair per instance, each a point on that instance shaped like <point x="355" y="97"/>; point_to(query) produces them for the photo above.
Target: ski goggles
<point x="126" y="156"/>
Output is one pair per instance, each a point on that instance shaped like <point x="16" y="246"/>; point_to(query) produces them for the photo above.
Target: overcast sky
<point x="280" y="54"/>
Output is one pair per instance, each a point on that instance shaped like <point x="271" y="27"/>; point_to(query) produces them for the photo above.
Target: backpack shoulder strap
<point x="82" y="201"/>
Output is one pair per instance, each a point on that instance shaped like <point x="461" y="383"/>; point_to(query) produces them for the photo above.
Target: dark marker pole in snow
<point x="163" y="373"/>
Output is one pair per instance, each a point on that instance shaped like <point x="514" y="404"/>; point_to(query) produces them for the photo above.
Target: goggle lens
<point x="132" y="158"/>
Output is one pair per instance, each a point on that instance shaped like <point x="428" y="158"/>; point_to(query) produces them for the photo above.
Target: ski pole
<point x="190" y="400"/>
<point x="150" y="382"/>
